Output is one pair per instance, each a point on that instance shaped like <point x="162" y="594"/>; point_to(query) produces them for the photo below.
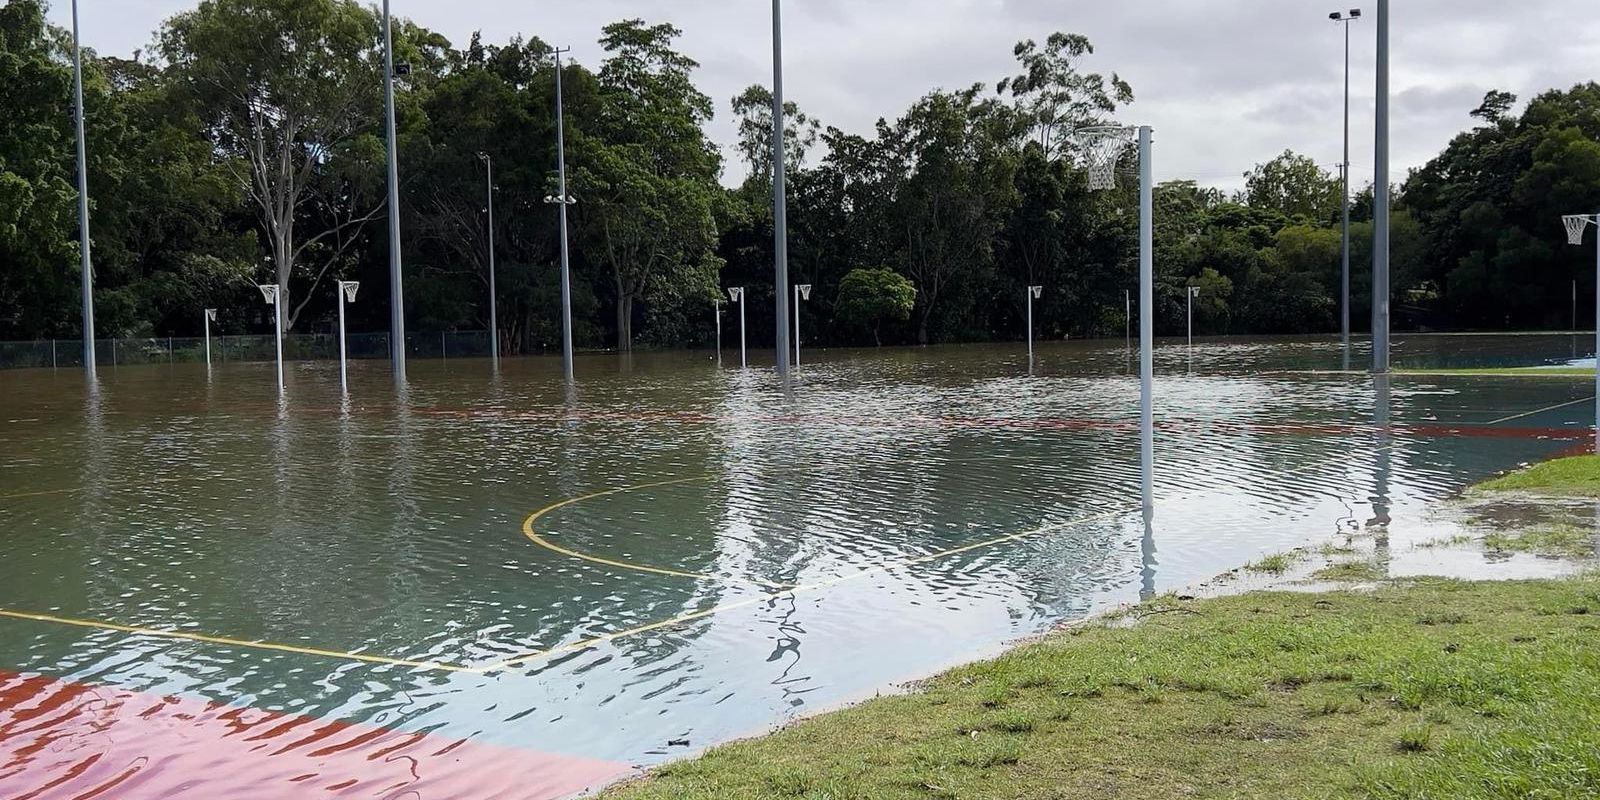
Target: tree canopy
<point x="248" y="148"/>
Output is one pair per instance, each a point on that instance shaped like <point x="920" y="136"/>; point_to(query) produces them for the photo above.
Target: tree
<point x="1054" y="95"/>
<point x="869" y="297"/>
<point x="38" y="196"/>
<point x="289" y="91"/>
<point x="753" y="108"/>
<point x="1294" y="186"/>
<point x="647" y="177"/>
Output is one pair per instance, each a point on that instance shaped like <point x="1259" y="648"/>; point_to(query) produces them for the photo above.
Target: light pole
<point x="1346" y="18"/>
<point x="737" y="295"/>
<point x="271" y="292"/>
<point x="210" y="317"/>
<point x="347" y="294"/>
<point x="1034" y="293"/>
<point x="494" y="317"/>
<point x="397" y="302"/>
<point x="1380" y="204"/>
<point x="83" y="201"/>
<point x="780" y="208"/>
<point x="1194" y="291"/>
<point x="563" y="199"/>
<point x="801" y="292"/>
<point x="1576" y="225"/>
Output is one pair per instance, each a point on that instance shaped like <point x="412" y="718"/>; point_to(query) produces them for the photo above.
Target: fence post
<point x="169" y="349"/>
<point x="52" y="354"/>
<point x="444" y="354"/>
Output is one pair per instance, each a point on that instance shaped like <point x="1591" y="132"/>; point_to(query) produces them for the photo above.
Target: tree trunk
<point x="922" y="326"/>
<point x="876" y="339"/>
<point x="624" y="323"/>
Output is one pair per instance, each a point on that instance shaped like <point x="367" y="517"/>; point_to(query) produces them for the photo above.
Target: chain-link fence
<point x="49" y="353"/>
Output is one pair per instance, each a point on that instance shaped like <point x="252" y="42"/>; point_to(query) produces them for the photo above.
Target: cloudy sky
<point x="1226" y="83"/>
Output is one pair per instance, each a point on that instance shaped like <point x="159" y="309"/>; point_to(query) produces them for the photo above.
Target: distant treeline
<point x="248" y="148"/>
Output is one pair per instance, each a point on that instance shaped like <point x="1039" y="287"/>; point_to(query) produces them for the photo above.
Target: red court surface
<point x="61" y="740"/>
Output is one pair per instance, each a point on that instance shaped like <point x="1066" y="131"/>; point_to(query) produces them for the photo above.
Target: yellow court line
<point x="1539" y="411"/>
<point x="533" y="536"/>
<point x="585" y="644"/>
<point x="40" y="494"/>
<point x="221" y="640"/>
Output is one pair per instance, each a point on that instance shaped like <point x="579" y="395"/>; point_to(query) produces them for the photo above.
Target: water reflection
<point x="928" y="506"/>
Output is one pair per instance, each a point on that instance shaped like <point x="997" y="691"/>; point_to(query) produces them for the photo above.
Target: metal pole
<point x="716" y="307"/>
<point x="744" y="357"/>
<point x="344" y="378"/>
<point x="277" y="325"/>
<point x="83" y="202"/>
<point x="53" y="359"/>
<point x="780" y="212"/>
<point x="1147" y="437"/>
<point x="1030" y="323"/>
<point x="207" y="316"/>
<point x="1380" y="206"/>
<point x="397" y="303"/>
<point x="566" y="279"/>
<point x="1597" y="336"/>
<point x="494" y="316"/>
<point x="1191" y="319"/>
<point x="1574" y="306"/>
<point x="1344" y="272"/>
<point x="797" y="327"/>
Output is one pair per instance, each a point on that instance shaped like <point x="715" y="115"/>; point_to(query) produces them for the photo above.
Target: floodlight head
<point x="1335" y="16"/>
<point x="1355" y="13"/>
<point x="350" y="288"/>
<point x="735" y="295"/>
<point x="1038" y="291"/>
<point x="805" y="291"/>
<point x="269" y="293"/>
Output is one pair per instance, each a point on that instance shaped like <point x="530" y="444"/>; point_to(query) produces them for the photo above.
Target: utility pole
<point x="397" y="300"/>
<point x="563" y="199"/>
<point x="494" y="321"/>
<point x="83" y="202"/>
<point x="780" y="214"/>
<point x="1380" y="205"/>
<point x="1344" y="172"/>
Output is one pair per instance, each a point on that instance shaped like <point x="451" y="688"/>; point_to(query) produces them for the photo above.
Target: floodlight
<point x="1355" y="13"/>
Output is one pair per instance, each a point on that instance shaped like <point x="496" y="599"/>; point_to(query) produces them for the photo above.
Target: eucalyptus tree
<point x="646" y="177"/>
<point x="289" y="93"/>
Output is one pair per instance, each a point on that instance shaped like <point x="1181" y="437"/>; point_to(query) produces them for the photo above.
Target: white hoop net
<point x="1102" y="147"/>
<point x="1576" y="225"/>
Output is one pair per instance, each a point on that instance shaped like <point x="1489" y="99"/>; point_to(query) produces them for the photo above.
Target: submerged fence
<point x="48" y="353"/>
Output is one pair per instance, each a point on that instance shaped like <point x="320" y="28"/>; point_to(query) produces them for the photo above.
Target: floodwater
<point x="487" y="585"/>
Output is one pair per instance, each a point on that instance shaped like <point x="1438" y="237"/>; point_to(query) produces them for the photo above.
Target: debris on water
<point x="677" y="742"/>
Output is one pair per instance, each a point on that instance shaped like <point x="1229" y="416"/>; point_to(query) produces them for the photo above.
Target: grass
<point x="1424" y="689"/>
<point x="1563" y="477"/>
<point x="1349" y="571"/>
<point x="1275" y="564"/>
<point x="1564" y="541"/>
<point x="1506" y="372"/>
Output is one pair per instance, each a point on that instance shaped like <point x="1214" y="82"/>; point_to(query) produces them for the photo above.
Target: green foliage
<point x="254" y="150"/>
<point x="1567" y="477"/>
<point x="870" y="297"/>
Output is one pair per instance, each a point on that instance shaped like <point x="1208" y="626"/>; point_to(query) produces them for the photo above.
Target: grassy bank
<point x="1563" y="477"/>
<point x="1426" y="689"/>
<point x="1505" y="372"/>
